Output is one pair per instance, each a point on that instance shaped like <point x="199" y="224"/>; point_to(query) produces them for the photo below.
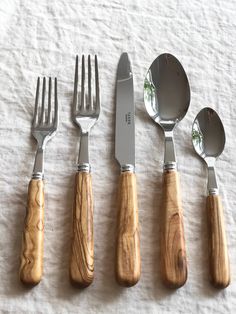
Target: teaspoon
<point x="208" y="139"/>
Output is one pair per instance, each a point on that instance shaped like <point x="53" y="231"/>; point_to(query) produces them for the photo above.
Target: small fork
<point x="44" y="127"/>
<point x="85" y="114"/>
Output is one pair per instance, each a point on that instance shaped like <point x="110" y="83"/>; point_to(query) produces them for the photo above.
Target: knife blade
<point x="125" y="128"/>
<point x="128" y="266"/>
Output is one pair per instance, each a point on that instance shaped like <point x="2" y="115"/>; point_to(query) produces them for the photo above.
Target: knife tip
<point x="124" y="58"/>
<point x="124" y="67"/>
<point x="124" y="54"/>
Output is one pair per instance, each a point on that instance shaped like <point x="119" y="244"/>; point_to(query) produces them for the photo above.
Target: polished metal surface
<point x="86" y="108"/>
<point x="167" y="99"/>
<point x="208" y="139"/>
<point x="125" y="124"/>
<point x="45" y="123"/>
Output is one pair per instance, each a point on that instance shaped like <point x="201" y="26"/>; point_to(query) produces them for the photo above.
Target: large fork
<point x="85" y="114"/>
<point x="44" y="127"/>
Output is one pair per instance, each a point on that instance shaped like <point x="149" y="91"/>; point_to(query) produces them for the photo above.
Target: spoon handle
<point x="128" y="246"/>
<point x="173" y="254"/>
<point x="218" y="253"/>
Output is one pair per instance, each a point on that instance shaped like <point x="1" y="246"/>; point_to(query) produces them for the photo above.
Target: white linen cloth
<point x="40" y="38"/>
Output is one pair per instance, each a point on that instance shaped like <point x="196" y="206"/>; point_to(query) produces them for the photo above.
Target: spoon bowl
<point x="208" y="135"/>
<point x="166" y="91"/>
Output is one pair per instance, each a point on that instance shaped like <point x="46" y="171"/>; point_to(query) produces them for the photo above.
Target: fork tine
<point x="41" y="120"/>
<point x="75" y="86"/>
<point x="49" y="101"/>
<point x="56" y="114"/>
<point x="82" y="84"/>
<point x="90" y="104"/>
<point x="35" y="118"/>
<point x="97" y="92"/>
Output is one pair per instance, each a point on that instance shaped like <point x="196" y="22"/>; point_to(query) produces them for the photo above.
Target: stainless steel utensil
<point x="128" y="247"/>
<point x="208" y="139"/>
<point x="86" y="110"/>
<point x="167" y="98"/>
<point x="44" y="127"/>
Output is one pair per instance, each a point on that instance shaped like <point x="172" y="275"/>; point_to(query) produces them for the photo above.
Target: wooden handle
<point x="173" y="254"/>
<point x="128" y="246"/>
<point x="31" y="268"/>
<point x="218" y="253"/>
<point x="82" y="251"/>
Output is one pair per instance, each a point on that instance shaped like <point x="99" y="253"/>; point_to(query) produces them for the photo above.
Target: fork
<point x="44" y="127"/>
<point x="85" y="114"/>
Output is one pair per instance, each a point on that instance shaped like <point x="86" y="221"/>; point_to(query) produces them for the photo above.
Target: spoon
<point x="167" y="98"/>
<point x="208" y="139"/>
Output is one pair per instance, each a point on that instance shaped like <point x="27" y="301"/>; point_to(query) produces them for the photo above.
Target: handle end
<point x="77" y="280"/>
<point x="220" y="283"/>
<point x="176" y="279"/>
<point x="30" y="279"/>
<point x="127" y="280"/>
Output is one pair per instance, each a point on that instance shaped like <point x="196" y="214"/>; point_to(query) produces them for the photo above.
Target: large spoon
<point x="208" y="138"/>
<point x="167" y="98"/>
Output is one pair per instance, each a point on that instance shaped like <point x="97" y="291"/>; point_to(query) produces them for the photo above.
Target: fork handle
<point x="218" y="253"/>
<point x="31" y="268"/>
<point x="173" y="254"/>
<point x="128" y="265"/>
<point x="82" y="250"/>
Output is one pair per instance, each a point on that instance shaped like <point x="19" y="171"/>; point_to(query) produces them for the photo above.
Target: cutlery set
<point x="167" y="99"/>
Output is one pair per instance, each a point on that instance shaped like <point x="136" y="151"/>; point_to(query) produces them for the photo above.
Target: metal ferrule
<point x="38" y="176"/>
<point x="127" y="168"/>
<point x="84" y="167"/>
<point x="213" y="191"/>
<point x="171" y="165"/>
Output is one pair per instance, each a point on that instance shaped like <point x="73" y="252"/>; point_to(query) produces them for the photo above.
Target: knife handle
<point x="128" y="263"/>
<point x="31" y="268"/>
<point x="218" y="253"/>
<point x="173" y="254"/>
<point x="82" y="249"/>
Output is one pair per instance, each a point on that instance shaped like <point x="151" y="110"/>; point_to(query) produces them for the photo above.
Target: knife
<point x="128" y="246"/>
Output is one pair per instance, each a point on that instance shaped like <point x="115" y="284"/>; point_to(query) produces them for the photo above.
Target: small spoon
<point x="167" y="98"/>
<point x="208" y="139"/>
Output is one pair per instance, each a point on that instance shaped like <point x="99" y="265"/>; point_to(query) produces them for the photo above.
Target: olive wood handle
<point x="31" y="268"/>
<point x="218" y="253"/>
<point x="173" y="254"/>
<point x="128" y="247"/>
<point x="82" y="249"/>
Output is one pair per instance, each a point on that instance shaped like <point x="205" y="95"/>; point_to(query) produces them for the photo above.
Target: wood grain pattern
<point x="82" y="251"/>
<point x="218" y="253"/>
<point x="173" y="254"/>
<point x="31" y="268"/>
<point x="128" y="264"/>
